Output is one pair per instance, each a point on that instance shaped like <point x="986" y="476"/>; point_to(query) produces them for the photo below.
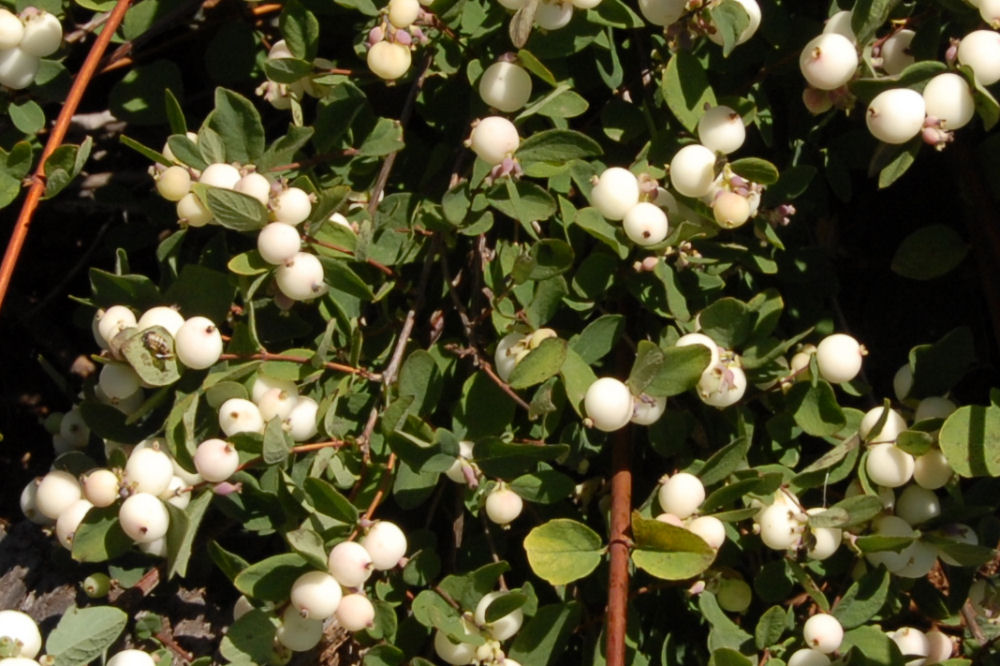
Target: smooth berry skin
<point x="161" y="315"/>
<point x="932" y="470"/>
<point x="221" y="175"/>
<point x="453" y="653"/>
<point x="948" y="98"/>
<point x="350" y="563"/>
<point x="42" y="34"/>
<point x="808" y="657"/>
<point x="192" y="212"/>
<point x="731" y="210"/>
<point x="503" y="506"/>
<point x="148" y="470"/>
<point x="662" y="12"/>
<point x="502" y="628"/>
<point x="711" y="530"/>
<point x="278" y="242"/>
<point x="721" y="129"/>
<point x="18" y="68"/>
<point x="238" y="415"/>
<point x="505" y="358"/>
<point x="113" y="321"/>
<point x="823" y="632"/>
<point x="69" y="520"/>
<point x="301" y="421"/>
<point x="198" y="343"/>
<point x="21" y="628"/>
<point x="300" y="278"/>
<point x="681" y="494"/>
<point x="216" y="460"/>
<point x="316" y="595"/>
<point x="692" y="170"/>
<point x="11" y="30"/>
<point x="828" y="61"/>
<point x="298" y="633"/>
<point x="493" y="139"/>
<point x="402" y="13"/>
<point x="753" y="13"/>
<point x="615" y="193"/>
<point x="355" y="612"/>
<point x="896" y="115"/>
<point x="889" y="466"/>
<point x="608" y="403"/>
<point x="896" y="54"/>
<point x="647" y="410"/>
<point x="838" y="358"/>
<point x="144" y="518"/>
<point x="292" y="206"/>
<point x="56" y="492"/>
<point x="917" y="505"/>
<point x="389" y="60"/>
<point x="131" y="658"/>
<point x="553" y="15"/>
<point x="645" y="224"/>
<point x="386" y="543"/>
<point x="980" y="50"/>
<point x="505" y="86"/>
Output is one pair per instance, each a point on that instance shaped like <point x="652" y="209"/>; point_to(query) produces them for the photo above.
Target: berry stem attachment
<point x="37" y="188"/>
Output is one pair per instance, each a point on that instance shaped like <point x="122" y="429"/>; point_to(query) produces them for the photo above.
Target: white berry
<point x="896" y="115"/>
<point x="889" y="466"/>
<point x="662" y="12"/>
<point x="506" y="356"/>
<point x="350" y="563"/>
<point x="502" y="628"/>
<point x="298" y="633"/>
<point x="238" y="415"/>
<point x="980" y="50"/>
<point x="948" y="98"/>
<point x="118" y="380"/>
<point x="161" y="315"/>
<point x="615" y="193"/>
<point x="22" y="630"/>
<point x="216" y="460"/>
<point x="753" y="13"/>
<point x="494" y="138"/>
<point x="692" y="170"/>
<point x="389" y="60"/>
<point x="553" y="14"/>
<point x="301" y="421"/>
<point x="647" y="410"/>
<point x="131" y="658"/>
<point x="148" y="470"/>
<point x="721" y="129"/>
<point x="198" y="343"/>
<point x="896" y="55"/>
<point x="823" y="632"/>
<point x="316" y="595"/>
<point x="144" y="517"/>
<point x="42" y="34"/>
<point x="18" y="68"/>
<point x="11" y="29"/>
<point x="292" y="206"/>
<point x="645" y="224"/>
<point x="386" y="543"/>
<point x="113" y="321"/>
<point x="173" y="183"/>
<point x="453" y="653"/>
<point x="278" y="242"/>
<point x="893" y="425"/>
<point x="503" y="505"/>
<point x="917" y="505"/>
<point x="69" y="520"/>
<point x="355" y="612"/>
<point x="722" y="385"/>
<point x="254" y="185"/>
<point x="932" y="470"/>
<point x="220" y="175"/>
<point x="191" y="211"/>
<point x="681" y="494"/>
<point x="56" y="492"/>
<point x="828" y="61"/>
<point x="731" y="210"/>
<point x="808" y="657"/>
<point x="838" y="358"/>
<point x="608" y="403"/>
<point x="300" y="278"/>
<point x="711" y="530"/>
<point x="505" y="86"/>
<point x="911" y="643"/>
<point x="402" y="13"/>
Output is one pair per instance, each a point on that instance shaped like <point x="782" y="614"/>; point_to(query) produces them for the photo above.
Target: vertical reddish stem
<point x="55" y="139"/>
<point x="621" y="506"/>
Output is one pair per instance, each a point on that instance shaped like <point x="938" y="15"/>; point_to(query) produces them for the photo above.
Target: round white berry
<point x="889" y="526"/>
<point x="692" y="170"/>
<point x="840" y="23"/>
<point x="823" y="632"/>
<point x="238" y="415"/>
<point x="276" y="403"/>
<point x="216" y="460"/>
<point x="948" y="98"/>
<point x="917" y="505"/>
<point x="647" y="410"/>
<point x="781" y="525"/>
<point x="74" y="429"/>
<point x="254" y="185"/>
<point x="453" y="653"/>
<point x="911" y="643"/>
<point x="939" y="646"/>
<point x="18" y="68"/>
<point x="386" y="543"/>
<point x="220" y="175"/>
<point x="278" y="242"/>
<point x="896" y="115"/>
<point x="893" y="425"/>
<point x="503" y="505"/>
<point x="934" y="407"/>
<point x="42" y="34"/>
<point x="144" y="518"/>
<point x="731" y="210"/>
<point x="402" y="13"/>
<point x="11" y="29"/>
<point x="69" y="520"/>
<point x="131" y="658"/>
<point x="178" y="493"/>
<point x="161" y="315"/>
<point x="56" y="492"/>
<point x="173" y="183"/>
<point x="192" y="212"/>
<point x="615" y="193"/>
<point x="980" y="50"/>
<point x="355" y="612"/>
<point x="316" y="595"/>
<point x="198" y="343"/>
<point x="300" y="278"/>
<point x="681" y="494"/>
<point x="896" y="55"/>
<point x="389" y="60"/>
<point x="113" y="321"/>
<point x="553" y="14"/>
<point x="838" y="358"/>
<point x="608" y="403"/>
<point x="506" y="356"/>
<point x="645" y="224"/>
<point x="292" y="206"/>
<point x="753" y="13"/>
<point x="662" y="12"/>
<point x="822" y="541"/>
<point x="118" y="380"/>
<point x="502" y="628"/>
<point x="888" y="465"/>
<point x="148" y="470"/>
<point x="932" y="470"/>
<point x="22" y="630"/>
<point x="828" y="61"/>
<point x="28" y="506"/>
<point x="808" y="657"/>
<point x="505" y="86"/>
<point x="301" y="421"/>
<point x="721" y="129"/>
<point x="263" y="383"/>
<point x="703" y="340"/>
<point x="722" y="385"/>
<point x="298" y="633"/>
<point x="494" y="138"/>
<point x="350" y="563"/>
<point x="711" y="530"/>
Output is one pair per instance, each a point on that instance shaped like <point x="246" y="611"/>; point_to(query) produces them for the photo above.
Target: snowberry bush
<point x="508" y="333"/>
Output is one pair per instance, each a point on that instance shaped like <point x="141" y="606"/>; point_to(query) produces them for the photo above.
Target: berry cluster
<point x="25" y="39"/>
<point x="489" y="634"/>
<point x="390" y="42"/>
<point x="683" y="19"/>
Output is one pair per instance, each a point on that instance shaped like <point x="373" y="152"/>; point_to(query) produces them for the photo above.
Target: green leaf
<point x="667" y="551"/>
<point x="236" y="120"/>
<point x="277" y="443"/>
<point x="929" y="252"/>
<point x="770" y="627"/>
<point x="894" y="161"/>
<point x="966" y="554"/>
<point x="864" y="599"/>
<point x="27" y="117"/>
<point x="151" y="355"/>
<point x="522" y="201"/>
<point x="729" y="657"/>
<point x="725" y="633"/>
<point x="595" y="224"/>
<point x="872" y="646"/>
<point x="419" y="377"/>
<point x="309" y="544"/>
<point x="329" y="501"/>
<point x="504" y="605"/>
<point x="271" y="578"/>
<point x="83" y="634"/>
<point x="175" y="113"/>
<point x="248" y="264"/>
<point x="730" y="19"/>
<point x="385" y="138"/>
<point x="287" y="70"/>
<point x="848" y="512"/>
<point x="545" y="487"/>
<point x="815" y="408"/>
<point x="557" y="146"/>
<point x="541" y="363"/>
<point x="938" y="367"/>
<point x="231" y="209"/>
<point x="665" y="372"/>
<point x="598" y="338"/>
<point x="63" y="165"/>
<point x="616" y="14"/>
<point x="184" y="526"/>
<point x="250" y="639"/>
<point x="550" y="257"/>
<point x="970" y="440"/>
<point x="535" y="66"/>
<point x="727" y="321"/>
<point x="563" y="550"/>
<point x="100" y="537"/>
<point x="562" y="102"/>
<point x="577" y="377"/>
<point x="300" y="29"/>
<point x="686" y="89"/>
<point x="756" y="170"/>
<point x="868" y="16"/>
<point x="542" y="638"/>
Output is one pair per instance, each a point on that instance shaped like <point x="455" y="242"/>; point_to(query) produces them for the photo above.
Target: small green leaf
<point x="756" y="170"/>
<point x="815" y="408"/>
<point x="892" y="162"/>
<point x="727" y="321"/>
<point x="872" y="645"/>
<point x="300" y="28"/>
<point x="577" y="377"/>
<point x="970" y="440"/>
<point x="686" y="89"/>
<point x="27" y="117"/>
<point x="271" y="578"/>
<point x="83" y="634"/>
<point x="556" y="146"/>
<point x="151" y="355"/>
<point x="329" y="501"/>
<point x="770" y="627"/>
<point x="730" y="20"/>
<point x="541" y="363"/>
<point x="667" y="551"/>
<point x="100" y="537"/>
<point x="563" y="550"/>
<point x="236" y="120"/>
<point x="938" y="367"/>
<point x="231" y="209"/>
<point x="184" y="526"/>
<point x="864" y="599"/>
<point x="543" y="638"/>
<point x="277" y="443"/>
<point x="929" y="252"/>
<point x="598" y="338"/>
<point x="248" y="263"/>
<point x="665" y="372"/>
<point x="522" y="201"/>
<point x="250" y="639"/>
<point x="544" y="487"/>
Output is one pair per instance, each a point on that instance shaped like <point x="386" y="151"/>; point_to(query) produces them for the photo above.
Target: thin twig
<point x="37" y="188"/>
<point x="329" y="365"/>
<point x="371" y="262"/>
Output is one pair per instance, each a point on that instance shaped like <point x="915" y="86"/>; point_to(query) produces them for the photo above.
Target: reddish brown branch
<point x="618" y="580"/>
<point x="37" y="188"/>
